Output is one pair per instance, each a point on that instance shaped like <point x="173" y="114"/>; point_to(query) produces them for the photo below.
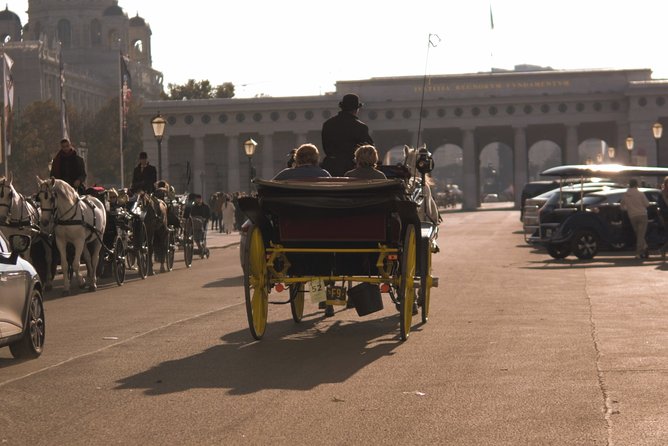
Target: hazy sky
<point x="293" y="48"/>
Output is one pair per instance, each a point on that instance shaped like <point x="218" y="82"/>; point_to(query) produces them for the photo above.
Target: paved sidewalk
<point x="215" y="239"/>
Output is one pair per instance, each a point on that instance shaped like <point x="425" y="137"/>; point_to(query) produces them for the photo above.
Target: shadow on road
<point x="295" y="357"/>
<point x="226" y="282"/>
<point x="596" y="262"/>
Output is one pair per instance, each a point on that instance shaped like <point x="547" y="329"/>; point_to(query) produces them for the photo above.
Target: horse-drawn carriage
<point x="331" y="233"/>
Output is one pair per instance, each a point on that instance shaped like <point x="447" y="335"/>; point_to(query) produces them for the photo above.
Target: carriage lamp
<point x="599" y="158"/>
<point x="629" y="146"/>
<point x="249" y="148"/>
<point x="657" y="132"/>
<point x="158" y="123"/>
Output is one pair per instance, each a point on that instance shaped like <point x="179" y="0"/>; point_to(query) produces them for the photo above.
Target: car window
<point x="591" y="200"/>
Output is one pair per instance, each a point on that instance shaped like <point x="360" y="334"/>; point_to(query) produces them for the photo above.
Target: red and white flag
<point x="8" y="98"/>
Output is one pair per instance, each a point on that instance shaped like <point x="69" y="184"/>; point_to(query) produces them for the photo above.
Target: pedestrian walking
<point x="228" y="212"/>
<point x="635" y="204"/>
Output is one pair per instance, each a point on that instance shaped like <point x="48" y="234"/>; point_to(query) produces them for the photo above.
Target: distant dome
<point x="137" y="21"/>
<point x="9" y="15"/>
<point x="113" y="10"/>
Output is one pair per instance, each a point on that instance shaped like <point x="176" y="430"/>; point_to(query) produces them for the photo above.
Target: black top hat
<point x="350" y="102"/>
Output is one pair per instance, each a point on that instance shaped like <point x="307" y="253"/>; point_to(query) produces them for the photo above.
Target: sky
<point x="301" y="48"/>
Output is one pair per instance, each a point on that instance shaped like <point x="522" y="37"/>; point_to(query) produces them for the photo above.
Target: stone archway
<point x="595" y="151"/>
<point x="496" y="173"/>
<point x="543" y="155"/>
<point x="448" y="166"/>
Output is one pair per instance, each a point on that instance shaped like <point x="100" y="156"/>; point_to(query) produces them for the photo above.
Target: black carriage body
<point x="329" y="214"/>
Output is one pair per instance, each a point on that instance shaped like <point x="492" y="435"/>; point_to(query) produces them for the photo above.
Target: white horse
<point x="21" y="216"/>
<point x="428" y="210"/>
<point x="77" y="220"/>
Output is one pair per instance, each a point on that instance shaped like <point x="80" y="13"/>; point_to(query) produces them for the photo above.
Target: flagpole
<point x="120" y="117"/>
<point x="5" y="153"/>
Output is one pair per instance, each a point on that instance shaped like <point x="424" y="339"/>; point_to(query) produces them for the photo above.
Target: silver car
<point x="22" y="325"/>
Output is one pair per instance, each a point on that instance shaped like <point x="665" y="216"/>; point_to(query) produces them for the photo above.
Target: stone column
<point x="471" y="198"/>
<point x="233" y="183"/>
<point x="572" y="156"/>
<point x="267" y="157"/>
<point x="198" y="169"/>
<point x="521" y="163"/>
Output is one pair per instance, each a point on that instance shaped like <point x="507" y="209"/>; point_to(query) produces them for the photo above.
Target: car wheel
<point x="31" y="344"/>
<point x="558" y="250"/>
<point x="585" y="245"/>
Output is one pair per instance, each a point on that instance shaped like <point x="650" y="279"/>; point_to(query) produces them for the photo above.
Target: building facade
<point x="520" y="113"/>
<point x="89" y="35"/>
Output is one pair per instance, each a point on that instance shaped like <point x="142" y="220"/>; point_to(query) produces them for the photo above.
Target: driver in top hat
<point x="342" y="135"/>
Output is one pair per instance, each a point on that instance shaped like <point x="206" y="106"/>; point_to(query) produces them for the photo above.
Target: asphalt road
<point x="519" y="350"/>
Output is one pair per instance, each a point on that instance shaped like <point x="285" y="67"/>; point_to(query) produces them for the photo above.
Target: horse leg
<point x="94" y="260"/>
<point x="79" y="247"/>
<point x="62" y="248"/>
<point x="48" y="279"/>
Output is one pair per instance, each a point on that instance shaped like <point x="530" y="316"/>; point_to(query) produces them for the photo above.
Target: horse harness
<point x="23" y="220"/>
<point x="61" y="221"/>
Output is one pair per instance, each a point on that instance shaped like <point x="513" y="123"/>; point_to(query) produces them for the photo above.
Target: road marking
<point x="132" y="338"/>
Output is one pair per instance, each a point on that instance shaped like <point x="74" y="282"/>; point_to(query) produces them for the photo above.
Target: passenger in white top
<point x="635" y="203"/>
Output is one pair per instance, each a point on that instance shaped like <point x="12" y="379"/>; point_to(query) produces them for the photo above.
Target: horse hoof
<point x="92" y="288"/>
<point x="162" y="269"/>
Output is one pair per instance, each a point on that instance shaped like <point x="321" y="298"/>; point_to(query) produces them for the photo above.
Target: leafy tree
<point x="35" y="141"/>
<point x="224" y="90"/>
<point x="199" y="90"/>
<point x="102" y="135"/>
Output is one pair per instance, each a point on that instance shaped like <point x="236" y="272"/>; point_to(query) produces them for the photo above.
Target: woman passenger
<point x="366" y="159"/>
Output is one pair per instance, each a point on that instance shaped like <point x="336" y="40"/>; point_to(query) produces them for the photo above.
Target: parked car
<point x="538" y="208"/>
<point x="22" y="322"/>
<point x="597" y="223"/>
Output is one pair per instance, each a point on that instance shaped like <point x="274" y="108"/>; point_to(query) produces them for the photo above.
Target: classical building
<point x="90" y="35"/>
<point x="507" y="124"/>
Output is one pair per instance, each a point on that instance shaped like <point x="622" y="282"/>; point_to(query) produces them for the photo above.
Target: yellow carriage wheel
<point x="297" y="301"/>
<point x="408" y="262"/>
<point x="255" y="282"/>
<point x="425" y="286"/>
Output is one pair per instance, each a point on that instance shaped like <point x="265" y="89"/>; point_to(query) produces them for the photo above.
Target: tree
<point x="225" y="90"/>
<point x="35" y="139"/>
<point x="103" y="137"/>
<point x="199" y="90"/>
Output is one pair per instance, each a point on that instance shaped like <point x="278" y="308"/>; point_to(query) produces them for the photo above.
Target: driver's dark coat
<point x="144" y="179"/>
<point x="341" y="135"/>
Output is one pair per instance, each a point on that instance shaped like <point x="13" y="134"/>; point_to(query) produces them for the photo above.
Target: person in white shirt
<point x="635" y="204"/>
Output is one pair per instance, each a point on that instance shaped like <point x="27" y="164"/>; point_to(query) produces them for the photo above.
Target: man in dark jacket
<point x="341" y="135"/>
<point x="144" y="176"/>
<point x="68" y="166"/>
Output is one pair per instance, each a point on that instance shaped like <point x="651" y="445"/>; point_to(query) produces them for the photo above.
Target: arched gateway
<point x="519" y="111"/>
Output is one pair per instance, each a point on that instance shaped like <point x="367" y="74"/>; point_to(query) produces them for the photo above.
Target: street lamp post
<point x="611" y="153"/>
<point x="158" y="123"/>
<point x="657" y="131"/>
<point x="629" y="146"/>
<point x="249" y="148"/>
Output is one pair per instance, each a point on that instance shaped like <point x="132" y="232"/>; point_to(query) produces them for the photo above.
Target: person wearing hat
<point x="144" y="176"/>
<point x="68" y="166"/>
<point x="342" y="135"/>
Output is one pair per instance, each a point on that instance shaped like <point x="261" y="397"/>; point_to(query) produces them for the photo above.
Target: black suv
<point x="598" y="223"/>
